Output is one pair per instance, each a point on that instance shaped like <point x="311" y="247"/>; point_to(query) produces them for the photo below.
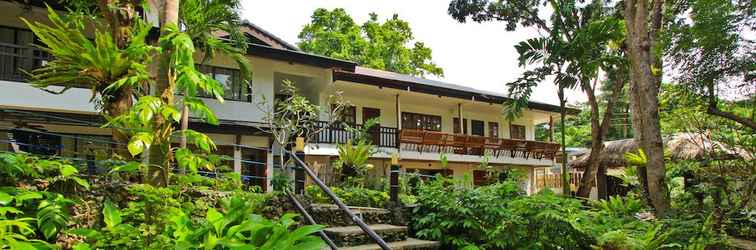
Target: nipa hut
<point x="681" y="146"/>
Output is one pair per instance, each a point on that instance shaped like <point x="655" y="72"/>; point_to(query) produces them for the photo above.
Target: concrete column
<point x="237" y="159"/>
<point x="237" y="155"/>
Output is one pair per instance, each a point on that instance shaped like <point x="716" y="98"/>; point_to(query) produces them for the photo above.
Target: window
<point x="493" y="129"/>
<point x="17" y="53"/>
<point x="456" y="125"/>
<point x="348" y="114"/>
<point x="421" y="121"/>
<point x="233" y="87"/>
<point x="477" y="127"/>
<point x="517" y="131"/>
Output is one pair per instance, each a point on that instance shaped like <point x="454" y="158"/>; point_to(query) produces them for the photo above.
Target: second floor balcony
<point x="434" y="142"/>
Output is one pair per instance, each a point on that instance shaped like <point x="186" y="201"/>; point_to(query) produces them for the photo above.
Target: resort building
<point x="421" y="120"/>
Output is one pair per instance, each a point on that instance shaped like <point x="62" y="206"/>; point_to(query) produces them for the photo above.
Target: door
<point x="375" y="131"/>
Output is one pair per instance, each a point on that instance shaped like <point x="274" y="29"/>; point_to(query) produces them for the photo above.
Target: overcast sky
<point x="477" y="55"/>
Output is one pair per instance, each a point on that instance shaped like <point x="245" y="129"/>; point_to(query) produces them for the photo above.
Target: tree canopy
<point x="387" y="45"/>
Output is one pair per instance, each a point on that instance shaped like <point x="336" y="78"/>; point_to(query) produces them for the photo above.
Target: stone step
<point x="331" y="215"/>
<point x="353" y="235"/>
<point x="409" y="243"/>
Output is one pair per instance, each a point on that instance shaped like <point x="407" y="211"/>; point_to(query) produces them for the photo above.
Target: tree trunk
<point x="598" y="130"/>
<point x="640" y="43"/>
<point x="160" y="154"/>
<point x="119" y="21"/>
<point x="566" y="190"/>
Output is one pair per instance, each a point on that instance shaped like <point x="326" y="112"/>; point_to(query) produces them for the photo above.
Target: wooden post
<point x="299" y="174"/>
<point x="398" y="122"/>
<point x="461" y="121"/>
<point x="394" y="179"/>
<point x="551" y="128"/>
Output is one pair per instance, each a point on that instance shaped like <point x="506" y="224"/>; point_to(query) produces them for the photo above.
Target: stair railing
<point x="357" y="220"/>
<point x="310" y="220"/>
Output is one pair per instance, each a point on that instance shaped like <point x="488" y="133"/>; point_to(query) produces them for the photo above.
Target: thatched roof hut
<point x="681" y="146"/>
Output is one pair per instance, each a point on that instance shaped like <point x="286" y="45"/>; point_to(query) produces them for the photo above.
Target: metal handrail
<point x="310" y="220"/>
<point x="365" y="228"/>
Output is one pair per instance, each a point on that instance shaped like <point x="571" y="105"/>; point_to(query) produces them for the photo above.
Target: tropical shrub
<point x="499" y="216"/>
<point x="495" y="217"/>
<point x="352" y="196"/>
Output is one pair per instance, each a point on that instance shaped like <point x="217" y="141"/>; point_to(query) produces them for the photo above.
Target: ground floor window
<point x="483" y="177"/>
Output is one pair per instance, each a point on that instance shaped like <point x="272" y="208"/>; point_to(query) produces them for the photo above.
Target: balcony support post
<point x="398" y="122"/>
<point x="237" y="156"/>
<point x="394" y="179"/>
<point x="299" y="173"/>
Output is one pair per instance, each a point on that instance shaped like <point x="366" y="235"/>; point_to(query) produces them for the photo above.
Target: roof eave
<point x="351" y="76"/>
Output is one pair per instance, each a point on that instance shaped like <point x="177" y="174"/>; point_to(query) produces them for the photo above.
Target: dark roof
<point x="270" y="35"/>
<point x="299" y="57"/>
<point x="407" y="82"/>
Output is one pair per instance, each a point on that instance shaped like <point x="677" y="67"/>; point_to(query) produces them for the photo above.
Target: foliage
<point x="494" y="217"/>
<point x="712" y="55"/>
<point x="59" y="175"/>
<point x="295" y="116"/>
<point x="204" y="19"/>
<point x="18" y="214"/>
<point x="352" y="196"/>
<point x="375" y="45"/>
<point x="99" y="63"/>
<point x="499" y="216"/>
<point x="353" y="160"/>
<point x="239" y="229"/>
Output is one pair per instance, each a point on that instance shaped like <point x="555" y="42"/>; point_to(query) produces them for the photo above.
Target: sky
<point x="477" y="55"/>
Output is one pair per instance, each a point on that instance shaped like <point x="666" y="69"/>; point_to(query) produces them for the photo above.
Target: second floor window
<point x="17" y="53"/>
<point x="348" y="114"/>
<point x="421" y="121"/>
<point x="457" y="129"/>
<point x="477" y="127"/>
<point x="517" y="131"/>
<point x="493" y="129"/>
<point x="233" y="87"/>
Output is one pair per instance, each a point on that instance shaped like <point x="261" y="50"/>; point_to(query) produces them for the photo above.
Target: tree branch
<point x="713" y="110"/>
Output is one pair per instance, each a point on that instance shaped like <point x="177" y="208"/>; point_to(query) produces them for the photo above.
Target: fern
<point x="51" y="216"/>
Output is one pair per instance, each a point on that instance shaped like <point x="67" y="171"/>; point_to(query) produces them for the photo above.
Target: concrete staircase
<point x="348" y="235"/>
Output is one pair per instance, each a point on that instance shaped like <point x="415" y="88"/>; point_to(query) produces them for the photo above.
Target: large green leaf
<point x="5" y="198"/>
<point x="111" y="215"/>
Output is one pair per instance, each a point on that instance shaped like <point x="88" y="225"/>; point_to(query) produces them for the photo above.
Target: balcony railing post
<point x="299" y="174"/>
<point x="394" y="179"/>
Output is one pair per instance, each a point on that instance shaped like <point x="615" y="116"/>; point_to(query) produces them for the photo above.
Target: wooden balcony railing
<point x="439" y="142"/>
<point x="14" y="58"/>
<point x="432" y="141"/>
<point x="337" y="133"/>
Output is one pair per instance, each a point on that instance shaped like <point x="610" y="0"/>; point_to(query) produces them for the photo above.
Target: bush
<point x="352" y="196"/>
<point x="498" y="216"/>
<point x="191" y="212"/>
